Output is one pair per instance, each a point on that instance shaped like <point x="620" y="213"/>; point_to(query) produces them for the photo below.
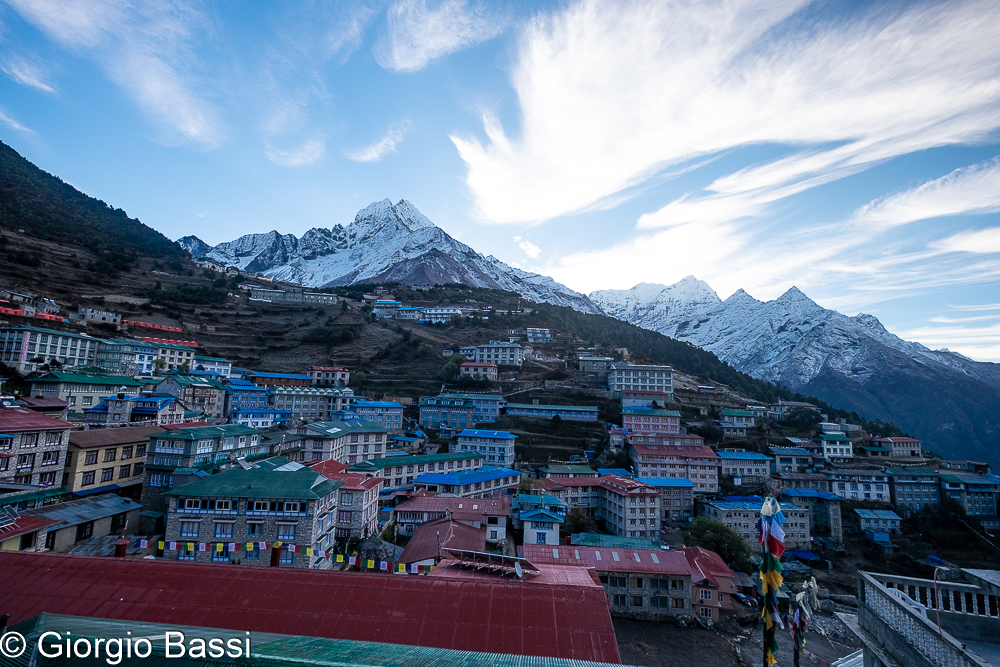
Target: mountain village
<point x="142" y="446"/>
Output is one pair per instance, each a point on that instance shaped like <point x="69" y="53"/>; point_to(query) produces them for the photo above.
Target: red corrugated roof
<point x="24" y="525"/>
<point x="431" y="537"/>
<point x="328" y="467"/>
<point x="461" y="508"/>
<point x="103" y="437"/>
<point x="548" y="575"/>
<point x="43" y="402"/>
<point x="21" y="419"/>
<point x="666" y="562"/>
<point x="682" y="451"/>
<point x="353" y="481"/>
<point x="559" y="621"/>
<point x="711" y="567"/>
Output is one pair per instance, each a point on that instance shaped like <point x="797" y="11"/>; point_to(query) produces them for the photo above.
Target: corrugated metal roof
<point x="601" y="540"/>
<point x="378" y="464"/>
<point x="80" y="511"/>
<point x="667" y="482"/>
<point x="498" y="617"/>
<point x="103" y="437"/>
<point x="463" y="477"/>
<point x="20" y="419"/>
<point x="276" y="478"/>
<point x="877" y="514"/>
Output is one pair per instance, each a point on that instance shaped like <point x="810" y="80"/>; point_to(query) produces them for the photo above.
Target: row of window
<point x="108" y="474"/>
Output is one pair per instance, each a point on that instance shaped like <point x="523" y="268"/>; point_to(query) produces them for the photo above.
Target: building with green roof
<point x="837" y="447"/>
<point x="237" y="509"/>
<point x="81" y="391"/>
<point x="197" y="392"/>
<point x="400" y="471"/>
<point x="571" y="470"/>
<point x="26" y="348"/>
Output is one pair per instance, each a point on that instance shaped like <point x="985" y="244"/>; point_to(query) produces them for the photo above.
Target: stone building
<point x="232" y="512"/>
<point x="32" y="447"/>
<point x="741" y="516"/>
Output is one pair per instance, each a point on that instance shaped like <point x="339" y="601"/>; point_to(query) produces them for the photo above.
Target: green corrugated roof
<point x="81" y="378"/>
<point x="204" y="432"/>
<point x="265" y="481"/>
<point x="591" y="408"/>
<point x="378" y="464"/>
<point x="608" y="541"/>
<point x="835" y="437"/>
<point x="569" y="469"/>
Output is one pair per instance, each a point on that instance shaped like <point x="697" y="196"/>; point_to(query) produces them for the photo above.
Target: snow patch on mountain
<point x="386" y="242"/>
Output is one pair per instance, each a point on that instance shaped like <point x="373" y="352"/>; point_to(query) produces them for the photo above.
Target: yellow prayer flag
<point x="159" y="545"/>
<point x="340" y="558"/>
<point x="275" y="545"/>
<point x="309" y="552"/>
<point x="371" y="564"/>
<point x="190" y="546"/>
<point x="218" y="547"/>
<point x="249" y="546"/>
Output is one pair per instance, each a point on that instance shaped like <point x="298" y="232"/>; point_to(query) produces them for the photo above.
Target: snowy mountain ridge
<point x="385" y="242"/>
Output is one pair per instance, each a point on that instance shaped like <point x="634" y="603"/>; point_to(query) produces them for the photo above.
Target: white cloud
<point x="377" y="150"/>
<point x="969" y="190"/>
<point x="530" y="249"/>
<point x="310" y="152"/>
<point x="27" y="73"/>
<point x="418" y="34"/>
<point x="983" y="241"/>
<point x="12" y="123"/>
<point x="612" y="94"/>
<point x="517" y="239"/>
<point x="975" y="342"/>
<point x="143" y="47"/>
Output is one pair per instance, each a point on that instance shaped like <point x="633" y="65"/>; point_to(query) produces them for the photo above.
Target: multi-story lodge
<point x="676" y="499"/>
<point x="358" y="507"/>
<point x="262" y="379"/>
<point x="490" y="512"/>
<point x="243" y="394"/>
<point x="232" y="512"/>
<point x="641" y="377"/>
<point x="348" y="442"/>
<point x="855" y="484"/>
<point x="792" y="459"/>
<point x="32" y="447"/>
<point x="478" y="370"/>
<point x="747" y="467"/>
<point x="901" y="447"/>
<point x="741" y="516"/>
<point x="214" y="365"/>
<point x="479" y="483"/>
<point x="650" y="584"/>
<point x="695" y="462"/>
<point x="328" y="376"/>
<point x="312" y="403"/>
<point x="825" y="517"/>
<point x="837" y="447"/>
<point x="145" y="408"/>
<point x="496" y="352"/>
<point x="977" y="494"/>
<point x="496" y="446"/>
<point x="564" y="412"/>
<point x="107" y="459"/>
<point x="401" y="471"/>
<point x="651" y="421"/>
<point x="388" y="414"/>
<point x="81" y="391"/>
<point x="26" y="348"/>
<point x="197" y="392"/>
<point x="459" y="410"/>
<point x="596" y="365"/>
<point x="913" y="489"/>
<point x="174" y="356"/>
<point x="126" y="357"/>
<point x="630" y="508"/>
<point x="181" y="451"/>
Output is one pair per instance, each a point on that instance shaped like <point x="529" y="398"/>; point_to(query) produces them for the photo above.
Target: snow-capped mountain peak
<point x="385" y="242"/>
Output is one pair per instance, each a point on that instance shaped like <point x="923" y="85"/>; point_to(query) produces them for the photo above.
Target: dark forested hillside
<point x="47" y="208"/>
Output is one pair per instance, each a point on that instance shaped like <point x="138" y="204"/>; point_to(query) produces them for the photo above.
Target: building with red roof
<point x="678" y="457"/>
<point x="564" y="621"/>
<point x="357" y="513"/>
<point x="629" y="508"/>
<point x="491" y="513"/>
<point x="649" y="584"/>
<point x="433" y="537"/>
<point x="32" y="447"/>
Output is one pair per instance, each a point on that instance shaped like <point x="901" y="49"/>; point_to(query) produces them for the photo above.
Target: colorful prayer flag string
<point x="772" y="538"/>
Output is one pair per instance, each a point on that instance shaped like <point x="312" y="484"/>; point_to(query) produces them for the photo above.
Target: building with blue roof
<point x="136" y="410"/>
<point x="243" y="394"/>
<point x="621" y="472"/>
<point x="260" y="417"/>
<point x="792" y="459"/>
<point x="541" y="526"/>
<point x="825" y="515"/>
<point x="262" y="379"/>
<point x="741" y="515"/>
<point x="676" y="498"/>
<point x="496" y="446"/>
<point x="529" y="502"/>
<point x="745" y="467"/>
<point x="883" y="521"/>
<point x="485" y="481"/>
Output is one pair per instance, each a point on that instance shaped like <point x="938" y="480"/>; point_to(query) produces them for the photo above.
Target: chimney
<point x="121" y="548"/>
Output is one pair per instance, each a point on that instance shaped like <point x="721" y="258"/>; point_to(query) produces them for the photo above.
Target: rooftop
<point x="431" y="537"/>
<point x="274" y="478"/>
<point x="462" y="509"/>
<point x="210" y="432"/>
<point x="105" y="437"/>
<point x="743" y="456"/>
<point x="574" y="469"/>
<point x="667" y="482"/>
<point x="563" y="621"/>
<point x="20" y="419"/>
<point x="477" y="433"/>
<point x="84" y="378"/>
<point x="878" y="514"/>
<point x="810" y="493"/>
<point x="535" y="406"/>
<point x="74" y="512"/>
<point x="609" y="541"/>
<point x="378" y="464"/>
<point x="650" y="412"/>
<point x="463" y="477"/>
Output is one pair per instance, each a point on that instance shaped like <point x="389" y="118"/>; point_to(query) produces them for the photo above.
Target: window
<point x="190" y="528"/>
<point x="224" y="529"/>
<point x="90" y="459"/>
<point x="255" y="528"/>
<point x="619" y="600"/>
<point x="220" y="556"/>
<point x="110" y="454"/>
<point x="50" y="458"/>
<point x="187" y="553"/>
<point x="706" y="612"/>
<point x="118" y="522"/>
<point x="286" y="532"/>
<point x="84" y="530"/>
<point x="29" y="439"/>
<point x="346" y="498"/>
<point x="636" y="601"/>
<point x="47" y="478"/>
<point x="678" y="603"/>
<point x="261" y="506"/>
<point x="88" y="478"/>
<point x="124" y="471"/>
<point x="287" y="557"/>
<point x="192" y="503"/>
<point x="140" y="450"/>
<point x="618" y="582"/>
<point x="706" y="595"/>
<point x="223" y="505"/>
<point x="137" y="469"/>
<point x="344" y="517"/>
<point x="126" y="452"/>
<point x="253" y="554"/>
<point x="636" y="582"/>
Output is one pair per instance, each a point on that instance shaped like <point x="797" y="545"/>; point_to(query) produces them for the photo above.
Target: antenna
<point x="518" y="570"/>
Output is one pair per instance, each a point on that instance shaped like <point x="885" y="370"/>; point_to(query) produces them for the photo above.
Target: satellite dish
<point x="517" y="569"/>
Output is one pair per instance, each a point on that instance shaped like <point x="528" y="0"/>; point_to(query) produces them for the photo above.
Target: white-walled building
<point x="641" y="377"/>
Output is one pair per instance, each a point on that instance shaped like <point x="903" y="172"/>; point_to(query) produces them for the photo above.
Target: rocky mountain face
<point x="950" y="401"/>
<point x="386" y="242"/>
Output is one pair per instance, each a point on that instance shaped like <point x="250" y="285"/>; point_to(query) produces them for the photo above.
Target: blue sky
<point x="850" y="149"/>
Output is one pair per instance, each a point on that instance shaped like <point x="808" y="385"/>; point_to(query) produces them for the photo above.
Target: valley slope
<point x="951" y="402"/>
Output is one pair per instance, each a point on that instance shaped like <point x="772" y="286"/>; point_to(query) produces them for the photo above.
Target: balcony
<point x="898" y="621"/>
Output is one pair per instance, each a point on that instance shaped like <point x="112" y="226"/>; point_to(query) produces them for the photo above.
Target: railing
<point x="952" y="597"/>
<point x="902" y="629"/>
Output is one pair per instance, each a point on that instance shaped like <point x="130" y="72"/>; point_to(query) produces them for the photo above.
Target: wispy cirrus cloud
<point x="27" y="72"/>
<point x="12" y="123"/>
<point x="612" y="94"/>
<point x="417" y="34"/>
<point x="147" y="49"/>
<point x="310" y="152"/>
<point x="377" y="150"/>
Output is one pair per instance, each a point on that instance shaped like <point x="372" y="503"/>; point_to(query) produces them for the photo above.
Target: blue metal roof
<point x="377" y="404"/>
<point x="484" y="474"/>
<point x="878" y="514"/>
<point x="477" y="433"/>
<point x="621" y="472"/>
<point x="810" y="493"/>
<point x="667" y="482"/>
<point x="541" y="514"/>
<point x="743" y="455"/>
<point x="790" y="451"/>
<point x="279" y="375"/>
